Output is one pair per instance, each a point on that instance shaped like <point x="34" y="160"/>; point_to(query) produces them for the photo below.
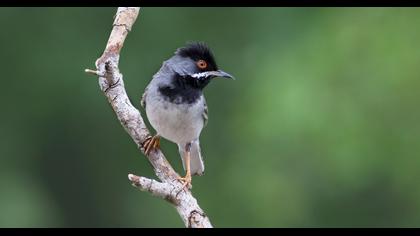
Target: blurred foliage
<point x="319" y="130"/>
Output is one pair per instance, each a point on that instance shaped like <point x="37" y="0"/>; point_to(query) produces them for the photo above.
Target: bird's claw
<point x="186" y="181"/>
<point x="151" y="143"/>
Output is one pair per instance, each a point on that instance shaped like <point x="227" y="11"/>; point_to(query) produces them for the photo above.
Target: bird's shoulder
<point x="158" y="78"/>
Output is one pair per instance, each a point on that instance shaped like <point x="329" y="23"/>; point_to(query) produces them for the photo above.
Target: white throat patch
<point x="200" y="75"/>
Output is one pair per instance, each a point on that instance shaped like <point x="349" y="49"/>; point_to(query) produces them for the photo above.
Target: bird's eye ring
<point x="202" y="64"/>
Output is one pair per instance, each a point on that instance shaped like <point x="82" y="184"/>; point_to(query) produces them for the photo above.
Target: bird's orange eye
<point x="202" y="64"/>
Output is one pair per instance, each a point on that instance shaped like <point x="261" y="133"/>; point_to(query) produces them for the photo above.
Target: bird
<point x="176" y="107"/>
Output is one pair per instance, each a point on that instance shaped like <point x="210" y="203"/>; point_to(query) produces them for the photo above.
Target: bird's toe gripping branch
<point x="151" y="143"/>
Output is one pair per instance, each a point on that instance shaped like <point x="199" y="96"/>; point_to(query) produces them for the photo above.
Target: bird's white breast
<point x="179" y="123"/>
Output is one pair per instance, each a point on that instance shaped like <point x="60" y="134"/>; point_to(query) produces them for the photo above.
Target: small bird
<point x="175" y="105"/>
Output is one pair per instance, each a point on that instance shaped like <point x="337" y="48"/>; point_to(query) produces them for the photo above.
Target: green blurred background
<point x="320" y="129"/>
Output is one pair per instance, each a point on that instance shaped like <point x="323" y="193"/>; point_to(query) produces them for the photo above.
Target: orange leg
<point x="187" y="179"/>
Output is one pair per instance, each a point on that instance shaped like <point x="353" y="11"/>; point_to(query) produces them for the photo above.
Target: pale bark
<point x="112" y="84"/>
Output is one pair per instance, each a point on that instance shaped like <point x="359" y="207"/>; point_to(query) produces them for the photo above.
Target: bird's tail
<point x="196" y="160"/>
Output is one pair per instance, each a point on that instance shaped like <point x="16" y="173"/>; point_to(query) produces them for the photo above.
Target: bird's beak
<point x="220" y="73"/>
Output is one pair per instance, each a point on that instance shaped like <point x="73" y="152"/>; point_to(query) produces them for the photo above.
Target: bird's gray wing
<point x="143" y="98"/>
<point x="205" y="113"/>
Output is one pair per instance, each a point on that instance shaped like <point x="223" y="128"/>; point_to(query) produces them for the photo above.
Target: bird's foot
<point x="186" y="181"/>
<point x="151" y="143"/>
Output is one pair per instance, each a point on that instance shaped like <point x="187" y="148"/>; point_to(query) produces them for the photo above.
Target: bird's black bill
<point x="222" y="74"/>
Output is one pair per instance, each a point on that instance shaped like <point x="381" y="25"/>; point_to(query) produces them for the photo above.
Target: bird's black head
<point x="196" y="63"/>
<point x="201" y="54"/>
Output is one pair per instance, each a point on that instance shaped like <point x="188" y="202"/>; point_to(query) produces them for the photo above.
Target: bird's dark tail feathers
<point x="196" y="160"/>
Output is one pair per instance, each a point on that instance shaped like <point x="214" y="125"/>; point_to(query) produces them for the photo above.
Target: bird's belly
<point x="179" y="123"/>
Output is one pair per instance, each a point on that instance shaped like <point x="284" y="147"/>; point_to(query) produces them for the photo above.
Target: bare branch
<point x="112" y="84"/>
<point x="158" y="189"/>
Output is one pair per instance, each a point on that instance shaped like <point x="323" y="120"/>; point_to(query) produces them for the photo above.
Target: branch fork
<point x="112" y="84"/>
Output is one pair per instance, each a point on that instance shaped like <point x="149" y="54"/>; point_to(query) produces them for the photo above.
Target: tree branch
<point x="112" y="84"/>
